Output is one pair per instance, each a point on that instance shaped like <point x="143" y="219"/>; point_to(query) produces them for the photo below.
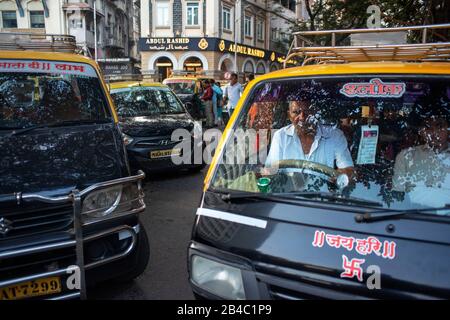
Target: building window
<point x="162" y="14"/>
<point x="37" y="19"/>
<point x="289" y="4"/>
<point x="226" y="19"/>
<point x="76" y="23"/>
<point x="192" y="13"/>
<point x="275" y="34"/>
<point x="248" y="67"/>
<point x="248" y="26"/>
<point x="260" y="30"/>
<point x="9" y="19"/>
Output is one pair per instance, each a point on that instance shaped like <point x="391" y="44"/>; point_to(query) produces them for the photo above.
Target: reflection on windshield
<point x="35" y="99"/>
<point x="389" y="136"/>
<point x="145" y="101"/>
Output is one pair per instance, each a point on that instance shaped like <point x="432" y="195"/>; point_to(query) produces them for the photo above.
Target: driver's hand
<point x="350" y="172"/>
<point x="269" y="171"/>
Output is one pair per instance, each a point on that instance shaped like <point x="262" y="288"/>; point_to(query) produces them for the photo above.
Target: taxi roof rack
<point x="303" y="46"/>
<point x="38" y="42"/>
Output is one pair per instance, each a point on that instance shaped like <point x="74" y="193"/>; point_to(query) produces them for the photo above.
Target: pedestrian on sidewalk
<point x="217" y="100"/>
<point x="231" y="95"/>
<point x="207" y="99"/>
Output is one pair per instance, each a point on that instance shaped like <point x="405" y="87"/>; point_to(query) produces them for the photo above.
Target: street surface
<point x="172" y="200"/>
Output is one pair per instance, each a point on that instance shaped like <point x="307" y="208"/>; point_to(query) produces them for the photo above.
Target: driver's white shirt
<point x="329" y="146"/>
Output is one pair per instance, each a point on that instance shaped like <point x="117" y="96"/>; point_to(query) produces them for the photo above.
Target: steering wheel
<point x="341" y="180"/>
<point x="304" y="164"/>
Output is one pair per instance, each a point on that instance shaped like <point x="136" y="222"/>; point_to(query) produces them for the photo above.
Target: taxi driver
<point x="306" y="139"/>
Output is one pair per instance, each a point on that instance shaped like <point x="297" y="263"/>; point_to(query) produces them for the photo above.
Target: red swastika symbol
<point x="352" y="268"/>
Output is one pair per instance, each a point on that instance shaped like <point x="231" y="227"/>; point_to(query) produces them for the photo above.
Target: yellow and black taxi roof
<point x="189" y="77"/>
<point x="131" y="84"/>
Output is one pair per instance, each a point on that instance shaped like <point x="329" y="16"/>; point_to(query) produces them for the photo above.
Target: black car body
<point x="304" y="236"/>
<point x="69" y="203"/>
<point x="149" y="115"/>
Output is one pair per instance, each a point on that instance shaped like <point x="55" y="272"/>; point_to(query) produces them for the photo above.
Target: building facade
<point x="117" y="26"/>
<point x="215" y="36"/>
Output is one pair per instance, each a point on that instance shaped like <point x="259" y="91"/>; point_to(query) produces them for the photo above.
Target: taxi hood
<point x="156" y="125"/>
<point x="324" y="249"/>
<point x="61" y="159"/>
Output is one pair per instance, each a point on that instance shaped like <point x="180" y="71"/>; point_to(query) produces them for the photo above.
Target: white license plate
<point x="164" y="153"/>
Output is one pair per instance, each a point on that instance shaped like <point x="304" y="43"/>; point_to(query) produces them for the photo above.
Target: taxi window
<point x="181" y="86"/>
<point x="145" y="101"/>
<point x="389" y="135"/>
<point x="36" y="92"/>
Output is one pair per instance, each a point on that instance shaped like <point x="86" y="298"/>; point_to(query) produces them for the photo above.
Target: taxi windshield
<point x="384" y="139"/>
<point x="34" y="93"/>
<point x="181" y="86"/>
<point x="145" y="101"/>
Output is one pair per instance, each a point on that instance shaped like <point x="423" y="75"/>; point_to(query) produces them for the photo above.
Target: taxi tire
<point x="142" y="258"/>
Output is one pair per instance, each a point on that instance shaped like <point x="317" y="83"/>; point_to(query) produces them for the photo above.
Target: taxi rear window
<point x="36" y="92"/>
<point x="388" y="134"/>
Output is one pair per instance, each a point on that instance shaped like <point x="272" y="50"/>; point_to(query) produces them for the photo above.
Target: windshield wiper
<point x="229" y="196"/>
<point x="335" y="197"/>
<point x="56" y="124"/>
<point x="390" y="214"/>
<point x="244" y="195"/>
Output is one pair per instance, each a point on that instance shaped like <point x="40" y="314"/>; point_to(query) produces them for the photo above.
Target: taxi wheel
<point x="142" y="256"/>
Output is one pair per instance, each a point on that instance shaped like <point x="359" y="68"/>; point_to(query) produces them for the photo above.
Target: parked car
<point x="69" y="203"/>
<point x="362" y="211"/>
<point x="149" y="113"/>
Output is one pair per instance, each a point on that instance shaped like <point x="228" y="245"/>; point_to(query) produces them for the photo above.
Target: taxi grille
<point x="310" y="288"/>
<point x="33" y="221"/>
<point x="156" y="142"/>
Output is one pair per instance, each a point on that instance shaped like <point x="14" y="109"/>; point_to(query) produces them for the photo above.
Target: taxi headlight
<point x="102" y="202"/>
<point x="127" y="139"/>
<point x="218" y="278"/>
<point x="116" y="199"/>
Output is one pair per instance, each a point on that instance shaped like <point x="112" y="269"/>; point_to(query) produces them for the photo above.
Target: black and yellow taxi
<point x="69" y="202"/>
<point x="332" y="181"/>
<point x="156" y="127"/>
<point x="189" y="89"/>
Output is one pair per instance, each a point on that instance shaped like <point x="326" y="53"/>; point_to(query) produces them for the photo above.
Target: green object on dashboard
<point x="263" y="184"/>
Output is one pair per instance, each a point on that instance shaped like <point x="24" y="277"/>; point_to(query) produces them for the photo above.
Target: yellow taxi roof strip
<point x="51" y="56"/>
<point x="361" y="67"/>
<point x="126" y="84"/>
